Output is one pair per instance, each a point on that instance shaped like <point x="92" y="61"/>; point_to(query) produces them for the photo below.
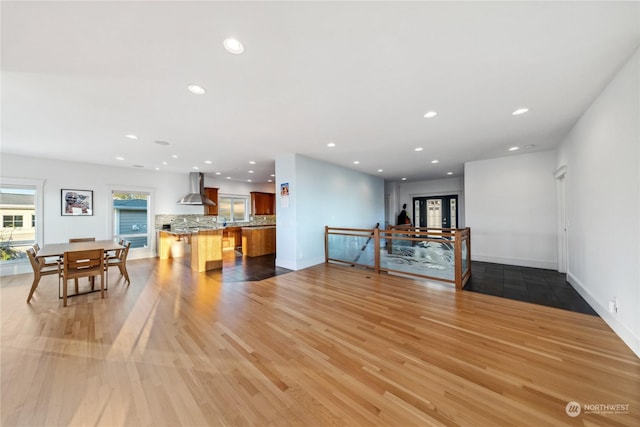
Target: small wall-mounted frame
<point x="76" y="202"/>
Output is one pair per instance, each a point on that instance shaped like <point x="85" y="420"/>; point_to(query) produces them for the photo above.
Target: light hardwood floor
<point x="329" y="345"/>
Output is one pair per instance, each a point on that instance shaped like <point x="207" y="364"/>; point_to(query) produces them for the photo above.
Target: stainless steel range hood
<point x="196" y="191"/>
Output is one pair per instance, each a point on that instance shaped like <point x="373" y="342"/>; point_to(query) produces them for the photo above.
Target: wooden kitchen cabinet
<point x="232" y="238"/>
<point x="263" y="203"/>
<point x="258" y="241"/>
<point x="212" y="194"/>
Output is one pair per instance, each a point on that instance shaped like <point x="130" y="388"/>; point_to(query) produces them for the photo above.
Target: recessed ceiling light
<point x="252" y="162"/>
<point x="379" y="170"/>
<point x="514" y="148"/>
<point x="233" y="46"/>
<point x="269" y="180"/>
<point x="435" y="161"/>
<point x="449" y="173"/>
<point x="175" y="156"/>
<point x="218" y="173"/>
<point x="430" y="114"/>
<point x="356" y="162"/>
<point x="273" y="175"/>
<point x="228" y="177"/>
<point x="250" y="171"/>
<point x="165" y="163"/>
<point x="119" y="158"/>
<point x="404" y="179"/>
<point x="249" y="180"/>
<point x="208" y="162"/>
<point x="195" y="167"/>
<point x="195" y="89"/>
<point x="520" y="111"/>
<point x="528" y="147"/>
<point x="161" y="142"/>
<point x="157" y="169"/>
<point x="131" y="136"/>
<point x="418" y="149"/>
<point x="331" y="144"/>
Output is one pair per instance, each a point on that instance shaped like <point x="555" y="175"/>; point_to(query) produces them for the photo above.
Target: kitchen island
<point x="258" y="241"/>
<point x="202" y="245"/>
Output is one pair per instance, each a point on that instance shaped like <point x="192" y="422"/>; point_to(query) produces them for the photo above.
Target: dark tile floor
<point x="534" y="285"/>
<point x="236" y="268"/>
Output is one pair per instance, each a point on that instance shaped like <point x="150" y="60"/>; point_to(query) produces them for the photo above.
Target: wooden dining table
<point x="59" y="249"/>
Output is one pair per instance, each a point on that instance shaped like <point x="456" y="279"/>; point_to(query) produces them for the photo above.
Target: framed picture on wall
<point x="76" y="202"/>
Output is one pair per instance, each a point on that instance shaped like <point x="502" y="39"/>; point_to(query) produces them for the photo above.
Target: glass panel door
<point x="436" y="212"/>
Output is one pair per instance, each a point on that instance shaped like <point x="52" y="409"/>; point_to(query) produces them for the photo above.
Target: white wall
<point x="603" y="203"/>
<point x="321" y="194"/>
<point x="286" y="220"/>
<point x="511" y="209"/>
<point x="166" y="189"/>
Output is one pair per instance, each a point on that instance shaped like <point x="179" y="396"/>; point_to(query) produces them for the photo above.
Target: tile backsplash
<point x="181" y="221"/>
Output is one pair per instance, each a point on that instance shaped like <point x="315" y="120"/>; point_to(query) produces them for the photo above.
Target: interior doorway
<point x="436" y="211"/>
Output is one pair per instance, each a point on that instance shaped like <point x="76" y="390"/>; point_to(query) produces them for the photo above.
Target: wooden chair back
<point x="82" y="239"/>
<point x="37" y="265"/>
<point x="120" y="259"/>
<point x="83" y="263"/>
<point x="124" y="252"/>
<point x="76" y="264"/>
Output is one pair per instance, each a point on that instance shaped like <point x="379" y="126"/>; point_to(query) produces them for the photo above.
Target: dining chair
<point x="48" y="262"/>
<point x="76" y="264"/>
<point x="39" y="270"/>
<point x="114" y="254"/>
<point x="83" y="239"/>
<point x="119" y="259"/>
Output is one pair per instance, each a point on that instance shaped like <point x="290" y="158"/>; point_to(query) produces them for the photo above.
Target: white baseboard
<point x="549" y="265"/>
<point x="626" y="335"/>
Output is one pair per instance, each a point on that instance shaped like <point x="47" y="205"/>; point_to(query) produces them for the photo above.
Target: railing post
<point x="376" y="248"/>
<point x="457" y="264"/>
<point x="326" y="244"/>
<point x="469" y="247"/>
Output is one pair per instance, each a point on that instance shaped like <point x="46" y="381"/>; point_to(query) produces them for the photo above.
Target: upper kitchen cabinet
<point x="263" y="203"/>
<point x="212" y="194"/>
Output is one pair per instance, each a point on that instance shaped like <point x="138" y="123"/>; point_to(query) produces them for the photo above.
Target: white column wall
<point x="511" y="209"/>
<point x="321" y="194"/>
<point x="602" y="159"/>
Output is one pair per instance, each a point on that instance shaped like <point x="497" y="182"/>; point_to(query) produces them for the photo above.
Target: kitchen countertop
<point x="192" y="230"/>
<point x="183" y="231"/>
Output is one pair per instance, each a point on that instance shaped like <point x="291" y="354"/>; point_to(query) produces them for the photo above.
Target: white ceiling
<point x="78" y="76"/>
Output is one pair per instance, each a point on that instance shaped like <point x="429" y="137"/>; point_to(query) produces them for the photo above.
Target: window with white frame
<point x="233" y="208"/>
<point x="17" y="206"/>
<point x="14" y="221"/>
<point x="131" y="217"/>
